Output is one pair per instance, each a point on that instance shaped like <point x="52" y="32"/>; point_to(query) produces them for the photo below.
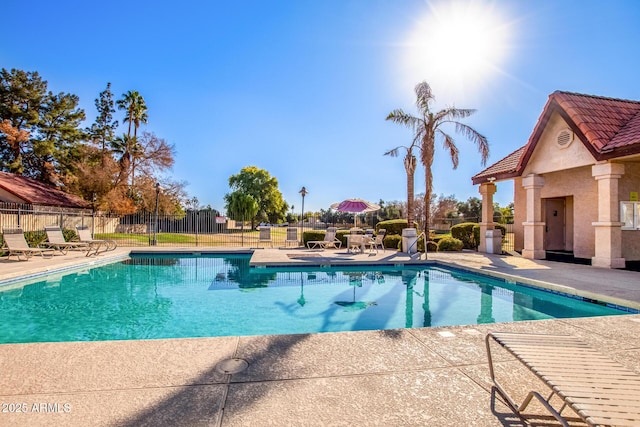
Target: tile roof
<point x="39" y="193"/>
<point x="603" y="121"/>
<point x="608" y="127"/>
<point x="502" y="168"/>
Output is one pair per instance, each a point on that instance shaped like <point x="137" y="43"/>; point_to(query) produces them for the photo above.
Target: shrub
<point x="464" y="233"/>
<point x="394" y="226"/>
<point x="393" y="241"/>
<point x="450" y="244"/>
<point x="476" y="231"/>
<point x="312" y="235"/>
<point x="432" y="246"/>
<point x="34" y="238"/>
<point x="342" y="236"/>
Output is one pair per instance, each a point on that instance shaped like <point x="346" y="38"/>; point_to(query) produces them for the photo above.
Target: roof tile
<point x="610" y="126"/>
<point x="39" y="193"/>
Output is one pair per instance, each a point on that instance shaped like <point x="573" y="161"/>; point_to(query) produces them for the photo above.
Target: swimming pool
<point x="169" y="296"/>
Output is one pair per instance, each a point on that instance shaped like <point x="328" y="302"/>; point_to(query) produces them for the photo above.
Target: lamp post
<point x="93" y="215"/>
<point x="154" y="242"/>
<point x="303" y="192"/>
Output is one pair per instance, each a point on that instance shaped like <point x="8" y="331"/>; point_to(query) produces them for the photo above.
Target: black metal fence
<point x="193" y="228"/>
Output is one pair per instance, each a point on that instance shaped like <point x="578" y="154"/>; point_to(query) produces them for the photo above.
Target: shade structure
<point x="355" y="206"/>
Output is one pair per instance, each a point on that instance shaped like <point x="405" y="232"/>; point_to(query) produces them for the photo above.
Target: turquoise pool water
<point x="166" y="296"/>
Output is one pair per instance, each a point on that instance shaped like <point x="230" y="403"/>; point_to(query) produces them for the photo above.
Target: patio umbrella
<point x="355" y="206"/>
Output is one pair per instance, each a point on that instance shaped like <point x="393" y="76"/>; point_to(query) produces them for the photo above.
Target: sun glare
<point x="458" y="46"/>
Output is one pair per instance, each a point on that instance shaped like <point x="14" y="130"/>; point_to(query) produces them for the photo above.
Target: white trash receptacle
<point x="494" y="241"/>
<point x="409" y="240"/>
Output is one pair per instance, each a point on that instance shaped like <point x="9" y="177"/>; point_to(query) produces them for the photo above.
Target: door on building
<point x="555" y="224"/>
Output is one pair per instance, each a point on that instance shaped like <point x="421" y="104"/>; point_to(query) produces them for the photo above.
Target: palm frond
<point x="393" y="152"/>
<point x="399" y="116"/>
<point x="450" y="145"/>
<point x="453" y="113"/>
<point x="477" y="138"/>
<point x="424" y="96"/>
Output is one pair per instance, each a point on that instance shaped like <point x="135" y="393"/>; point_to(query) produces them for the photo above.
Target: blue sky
<point x="301" y="88"/>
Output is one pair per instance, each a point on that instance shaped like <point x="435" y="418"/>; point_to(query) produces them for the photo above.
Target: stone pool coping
<point x="420" y="376"/>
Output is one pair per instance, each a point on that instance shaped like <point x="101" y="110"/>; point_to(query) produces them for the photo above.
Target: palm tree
<point x="410" y="164"/>
<point x="136" y="109"/>
<point x="127" y="150"/>
<point x="427" y="126"/>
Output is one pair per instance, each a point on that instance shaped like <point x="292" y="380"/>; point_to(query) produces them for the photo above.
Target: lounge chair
<point x="599" y="390"/>
<point x="85" y="236"/>
<point x="378" y="241"/>
<point x="292" y="237"/>
<point x="265" y="236"/>
<point x="57" y="241"/>
<point x="17" y="245"/>
<point x="330" y="240"/>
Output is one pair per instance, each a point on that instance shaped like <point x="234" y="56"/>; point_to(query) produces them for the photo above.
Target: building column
<point x="533" y="226"/>
<point x="608" y="228"/>
<point x="487" y="189"/>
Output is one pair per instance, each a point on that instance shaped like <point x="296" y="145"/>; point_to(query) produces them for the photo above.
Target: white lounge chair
<point x="57" y="241"/>
<point x="330" y="240"/>
<point x="601" y="391"/>
<point x="17" y="245"/>
<point x="85" y="236"/>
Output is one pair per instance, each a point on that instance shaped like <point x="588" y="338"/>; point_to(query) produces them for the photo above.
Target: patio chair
<point x="265" y="236"/>
<point x="330" y="240"/>
<point x="17" y="245"/>
<point x="378" y="241"/>
<point x="356" y="242"/>
<point x="85" y="236"/>
<point x="57" y="241"/>
<point x="292" y="237"/>
<point x="599" y="390"/>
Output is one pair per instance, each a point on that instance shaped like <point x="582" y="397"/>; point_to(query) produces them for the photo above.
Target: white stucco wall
<point x="567" y="173"/>
<point x="550" y="157"/>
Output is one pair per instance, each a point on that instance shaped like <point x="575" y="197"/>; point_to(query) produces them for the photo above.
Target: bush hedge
<point x="450" y="244"/>
<point x="393" y="241"/>
<point x="394" y="226"/>
<point x="432" y="246"/>
<point x="312" y="235"/>
<point x="464" y="233"/>
<point x="476" y="231"/>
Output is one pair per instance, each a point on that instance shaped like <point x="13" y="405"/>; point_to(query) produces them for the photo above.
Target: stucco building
<point x="576" y="182"/>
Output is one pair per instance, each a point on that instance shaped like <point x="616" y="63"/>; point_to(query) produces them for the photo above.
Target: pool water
<point x="168" y="296"/>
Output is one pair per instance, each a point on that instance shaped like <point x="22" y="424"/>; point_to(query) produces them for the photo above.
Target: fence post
<point x="197" y="226"/>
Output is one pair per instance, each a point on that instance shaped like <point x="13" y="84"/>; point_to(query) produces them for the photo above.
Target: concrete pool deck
<point x="401" y="377"/>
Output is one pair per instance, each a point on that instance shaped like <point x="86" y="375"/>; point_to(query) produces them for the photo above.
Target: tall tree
<point x="152" y="154"/>
<point x="264" y="189"/>
<point x="136" y="109"/>
<point x="123" y="147"/>
<point x="428" y="126"/>
<point x="241" y="206"/>
<point x="102" y="132"/>
<point x="55" y="150"/>
<point x="410" y="163"/>
<point x="52" y="122"/>
<point x="21" y="96"/>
